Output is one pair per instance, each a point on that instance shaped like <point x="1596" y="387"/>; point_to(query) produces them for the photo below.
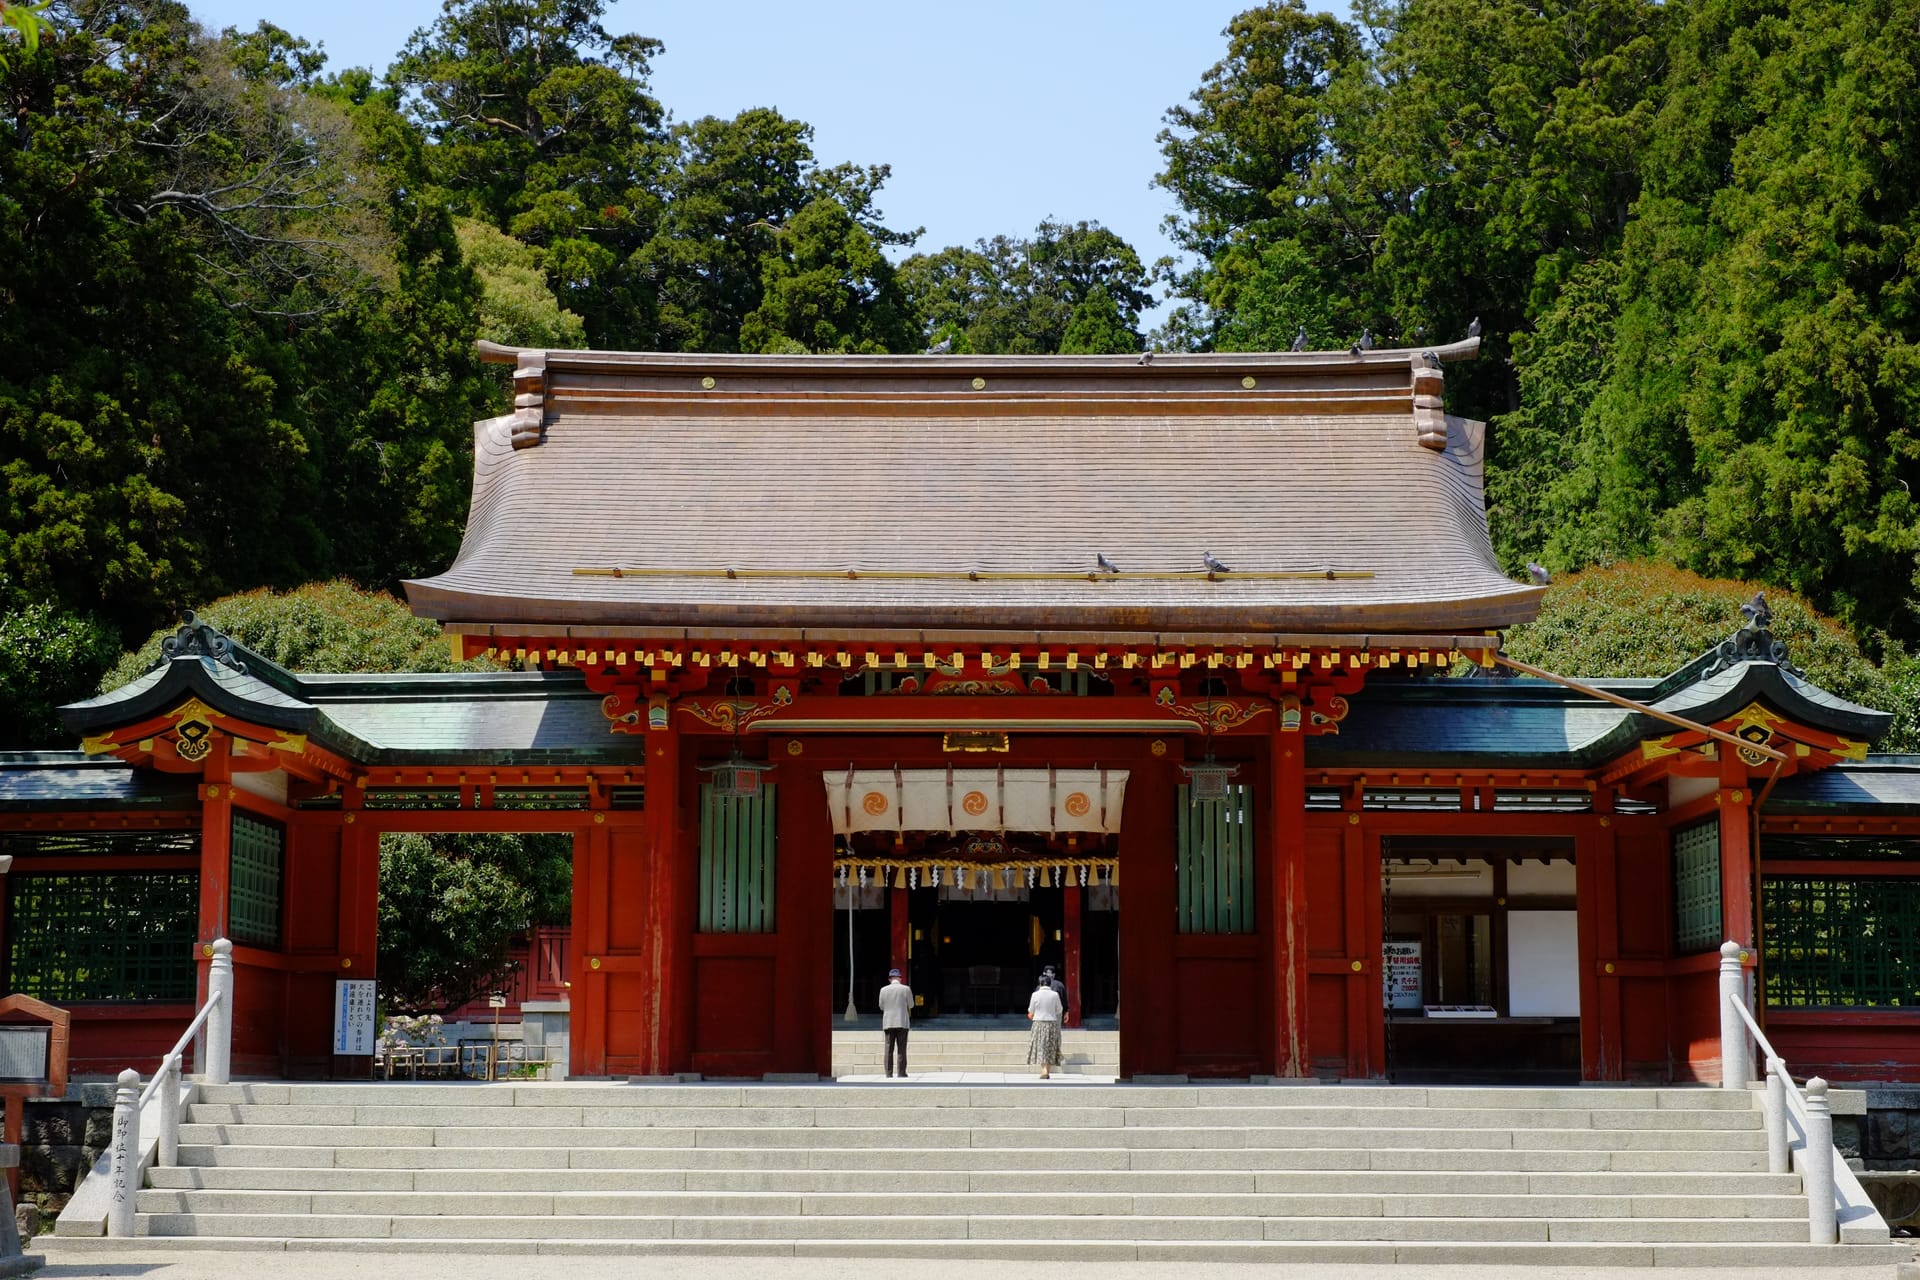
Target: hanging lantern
<point x="1208" y="781"/>
<point x="736" y="778"/>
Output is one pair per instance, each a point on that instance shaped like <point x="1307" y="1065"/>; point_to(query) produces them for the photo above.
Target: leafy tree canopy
<point x="451" y="905"/>
<point x="324" y="626"/>
<point x="1007" y="296"/>
<point x="517" y="308"/>
<point x="541" y="124"/>
<point x="1650" y="619"/>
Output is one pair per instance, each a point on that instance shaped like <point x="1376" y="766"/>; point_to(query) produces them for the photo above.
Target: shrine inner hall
<point x="1182" y="677"/>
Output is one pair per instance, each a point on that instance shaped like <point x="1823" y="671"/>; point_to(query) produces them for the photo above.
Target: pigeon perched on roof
<point x="1538" y="572"/>
<point x="1299" y="340"/>
<point x="1473" y="330"/>
<point x="1106" y="565"/>
<point x="1146" y="357"/>
<point x="941" y="348"/>
<point x="1365" y="343"/>
<point x="1213" y="565"/>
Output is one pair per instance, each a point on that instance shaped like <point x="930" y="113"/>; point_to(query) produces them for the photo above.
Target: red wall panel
<point x="733" y="1022"/>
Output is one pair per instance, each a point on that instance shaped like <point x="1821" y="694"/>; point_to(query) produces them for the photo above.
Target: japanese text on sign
<point x="1401" y="964"/>
<point x="353" y="1016"/>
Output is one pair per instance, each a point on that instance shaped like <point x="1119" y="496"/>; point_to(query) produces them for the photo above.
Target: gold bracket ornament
<point x="193" y="740"/>
<point x="1216" y="716"/>
<point x="733" y="715"/>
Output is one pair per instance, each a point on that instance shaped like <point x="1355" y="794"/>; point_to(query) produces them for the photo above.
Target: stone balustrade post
<point x="219" y="1063"/>
<point x="1817" y="1166"/>
<point x="1778" y="1160"/>
<point x="167" y="1154"/>
<point x="124" y="1170"/>
<point x="1736" y="1064"/>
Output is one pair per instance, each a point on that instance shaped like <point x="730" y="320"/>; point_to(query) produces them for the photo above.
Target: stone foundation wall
<point x="60" y="1141"/>
<point x="1891" y="1136"/>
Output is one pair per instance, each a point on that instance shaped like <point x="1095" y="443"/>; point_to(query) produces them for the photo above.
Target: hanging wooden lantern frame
<point x="736" y="778"/>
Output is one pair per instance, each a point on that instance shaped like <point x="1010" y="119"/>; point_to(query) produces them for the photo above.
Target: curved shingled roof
<point x="974" y="494"/>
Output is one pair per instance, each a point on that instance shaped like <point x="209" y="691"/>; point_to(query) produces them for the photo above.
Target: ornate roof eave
<point x="220" y="687"/>
<point x="1128" y="366"/>
<point x="1726" y="693"/>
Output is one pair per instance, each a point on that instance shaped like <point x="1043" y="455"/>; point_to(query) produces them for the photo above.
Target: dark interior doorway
<point x="1480" y="954"/>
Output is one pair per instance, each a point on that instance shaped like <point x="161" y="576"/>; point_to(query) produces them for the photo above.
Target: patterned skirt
<point x="1043" y="1046"/>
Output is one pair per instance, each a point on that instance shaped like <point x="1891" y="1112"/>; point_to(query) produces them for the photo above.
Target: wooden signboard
<point x="33" y="1063"/>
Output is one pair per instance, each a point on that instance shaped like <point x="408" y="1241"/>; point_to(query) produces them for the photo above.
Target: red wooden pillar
<point x="1365" y="993"/>
<point x="897" y="919"/>
<point x="1070" y="933"/>
<point x="587" y="994"/>
<point x="1148" y="890"/>
<point x="357" y="927"/>
<point x="663" y="971"/>
<point x="216" y="851"/>
<point x="1596" y="899"/>
<point x="1735" y="799"/>
<point x="1288" y="916"/>
<point x="803" y="917"/>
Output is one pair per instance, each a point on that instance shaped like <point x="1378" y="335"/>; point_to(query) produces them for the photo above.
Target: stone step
<point x="1213" y="1094"/>
<point x="908" y="1180"/>
<point x="1017" y="1171"/>
<point x="1065" y="1203"/>
<point x="1345" y="1157"/>
<point x="1762" y="1259"/>
<point x="902" y="1227"/>
<point x="1016" y="1115"/>
<point x="1144" y="1138"/>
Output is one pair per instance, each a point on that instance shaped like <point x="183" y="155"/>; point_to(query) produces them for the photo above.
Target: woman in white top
<point x="1046" y="1012"/>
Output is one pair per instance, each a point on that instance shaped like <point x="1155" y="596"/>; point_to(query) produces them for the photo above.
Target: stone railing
<point x="1799" y="1126"/>
<point x="106" y="1198"/>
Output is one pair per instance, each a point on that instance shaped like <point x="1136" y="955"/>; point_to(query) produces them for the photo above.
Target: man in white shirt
<point x="896" y="1013"/>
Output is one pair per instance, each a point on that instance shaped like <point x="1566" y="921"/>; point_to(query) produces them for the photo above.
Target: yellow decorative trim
<point x="291" y="743"/>
<point x="99" y="744"/>
<point x="1658" y="748"/>
<point x="194" y="709"/>
<point x="1848" y="749"/>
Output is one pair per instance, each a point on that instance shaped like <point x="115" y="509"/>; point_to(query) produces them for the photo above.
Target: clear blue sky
<point x="993" y="114"/>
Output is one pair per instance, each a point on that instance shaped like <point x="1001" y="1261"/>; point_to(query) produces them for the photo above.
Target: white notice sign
<point x="1400" y="960"/>
<point x="353" y="1016"/>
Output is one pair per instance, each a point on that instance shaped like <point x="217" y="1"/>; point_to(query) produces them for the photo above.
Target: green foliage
<point x="1650" y="619"/>
<point x="450" y="906"/>
<point x="828" y="288"/>
<point x="1022" y="297"/>
<point x="517" y="308"/>
<point x="1758" y="414"/>
<point x="1689" y="230"/>
<point x="48" y="657"/>
<point x="324" y="626"/>
<point x="254" y="384"/>
<point x="21" y="22"/>
<point x="732" y="198"/>
<point x="540" y="123"/>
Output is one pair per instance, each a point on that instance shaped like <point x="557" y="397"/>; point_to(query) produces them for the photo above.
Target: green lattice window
<point x="412" y="798"/>
<point x="1696" y="887"/>
<point x="539" y="799"/>
<point x="115" y="936"/>
<point x="736" y="862"/>
<point x="1835" y="942"/>
<point x="253" y="905"/>
<point x="1216" y="863"/>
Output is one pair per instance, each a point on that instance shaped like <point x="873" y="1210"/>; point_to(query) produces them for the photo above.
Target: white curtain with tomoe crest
<point x="954" y="799"/>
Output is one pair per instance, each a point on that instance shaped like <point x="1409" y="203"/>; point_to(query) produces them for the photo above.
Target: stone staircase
<point x="957" y="1052"/>
<point x="1069" y="1170"/>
